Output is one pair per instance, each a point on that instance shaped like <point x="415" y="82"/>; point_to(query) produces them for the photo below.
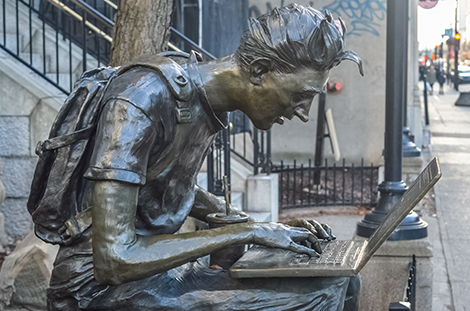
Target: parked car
<point x="464" y="74"/>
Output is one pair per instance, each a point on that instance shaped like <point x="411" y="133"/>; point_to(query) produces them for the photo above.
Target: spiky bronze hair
<point x="295" y="37"/>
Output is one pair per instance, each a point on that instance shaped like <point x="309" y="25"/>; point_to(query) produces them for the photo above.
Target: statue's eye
<point x="300" y="96"/>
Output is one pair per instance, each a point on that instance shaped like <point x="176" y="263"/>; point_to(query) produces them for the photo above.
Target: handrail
<point x="62" y="6"/>
<point x="93" y="12"/>
<point x="192" y="43"/>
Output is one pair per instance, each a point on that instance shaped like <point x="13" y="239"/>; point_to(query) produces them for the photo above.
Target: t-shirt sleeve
<point x="124" y="138"/>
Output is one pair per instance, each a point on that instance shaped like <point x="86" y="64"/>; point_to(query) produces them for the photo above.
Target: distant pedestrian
<point x="431" y="77"/>
<point x="441" y="80"/>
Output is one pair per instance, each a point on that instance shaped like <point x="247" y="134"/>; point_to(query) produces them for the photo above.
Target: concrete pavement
<point x="450" y="142"/>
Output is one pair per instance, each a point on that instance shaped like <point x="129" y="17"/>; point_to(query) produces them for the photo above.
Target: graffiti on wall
<point x="364" y="16"/>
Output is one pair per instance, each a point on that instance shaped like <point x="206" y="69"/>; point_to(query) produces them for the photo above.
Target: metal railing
<point x="57" y="40"/>
<point x="308" y="186"/>
<point x="410" y="293"/>
<point x="409" y="299"/>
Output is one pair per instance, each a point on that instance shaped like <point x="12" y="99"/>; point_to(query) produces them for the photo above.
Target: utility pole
<point x="456" y="49"/>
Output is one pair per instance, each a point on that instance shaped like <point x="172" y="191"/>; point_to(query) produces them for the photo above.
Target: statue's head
<point x="288" y="54"/>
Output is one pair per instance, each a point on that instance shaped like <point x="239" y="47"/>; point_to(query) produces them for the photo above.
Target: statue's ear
<point x="258" y="67"/>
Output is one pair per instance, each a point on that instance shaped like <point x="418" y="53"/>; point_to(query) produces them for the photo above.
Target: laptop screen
<point x="425" y="181"/>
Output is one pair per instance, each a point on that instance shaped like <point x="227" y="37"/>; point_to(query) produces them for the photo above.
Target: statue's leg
<point x="351" y="303"/>
<point x="195" y="287"/>
<point x="62" y="304"/>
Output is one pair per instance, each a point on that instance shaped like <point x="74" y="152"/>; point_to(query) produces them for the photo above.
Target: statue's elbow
<point x="107" y="270"/>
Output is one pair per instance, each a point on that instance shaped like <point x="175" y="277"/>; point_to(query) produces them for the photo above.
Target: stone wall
<point x="25" y="118"/>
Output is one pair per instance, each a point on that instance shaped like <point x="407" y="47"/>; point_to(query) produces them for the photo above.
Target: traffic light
<point x="457" y="39"/>
<point x="441" y="50"/>
<point x="435" y="49"/>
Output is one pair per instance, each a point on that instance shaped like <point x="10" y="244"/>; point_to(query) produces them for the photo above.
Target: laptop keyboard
<point x="334" y="254"/>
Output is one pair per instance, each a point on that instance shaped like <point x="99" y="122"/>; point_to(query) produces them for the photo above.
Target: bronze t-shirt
<point x="140" y="141"/>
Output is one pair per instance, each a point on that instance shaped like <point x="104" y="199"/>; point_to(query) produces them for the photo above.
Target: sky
<point x="433" y="22"/>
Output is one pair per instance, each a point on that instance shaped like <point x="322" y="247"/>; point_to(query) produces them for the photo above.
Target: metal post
<point x="409" y="148"/>
<point x="320" y="137"/>
<point x="210" y="171"/>
<point x="426" y="112"/>
<point x="227" y="174"/>
<point x="393" y="187"/>
<point x="456" y="51"/>
<point x="456" y="66"/>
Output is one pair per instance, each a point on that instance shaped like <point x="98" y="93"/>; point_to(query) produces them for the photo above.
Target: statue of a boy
<point x="153" y="134"/>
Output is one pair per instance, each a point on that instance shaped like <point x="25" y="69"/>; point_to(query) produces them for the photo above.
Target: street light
<point x="393" y="187"/>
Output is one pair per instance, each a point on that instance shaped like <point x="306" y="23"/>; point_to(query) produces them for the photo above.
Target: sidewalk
<point x="450" y="142"/>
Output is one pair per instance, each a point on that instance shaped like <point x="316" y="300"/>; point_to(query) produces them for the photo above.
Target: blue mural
<point x="363" y="16"/>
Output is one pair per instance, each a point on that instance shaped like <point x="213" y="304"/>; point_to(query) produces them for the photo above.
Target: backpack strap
<point x="62" y="141"/>
<point x="175" y="77"/>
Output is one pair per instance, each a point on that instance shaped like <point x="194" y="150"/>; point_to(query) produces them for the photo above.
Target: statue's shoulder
<point x="168" y="68"/>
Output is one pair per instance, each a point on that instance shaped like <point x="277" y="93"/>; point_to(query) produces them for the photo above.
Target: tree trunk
<point x="141" y="27"/>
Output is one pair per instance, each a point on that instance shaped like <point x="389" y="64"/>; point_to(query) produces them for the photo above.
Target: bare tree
<point x="141" y="27"/>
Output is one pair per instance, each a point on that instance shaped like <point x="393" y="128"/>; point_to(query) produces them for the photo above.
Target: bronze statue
<point x="157" y="119"/>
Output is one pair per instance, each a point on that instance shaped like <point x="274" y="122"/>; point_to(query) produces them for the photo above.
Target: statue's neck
<point x="223" y="82"/>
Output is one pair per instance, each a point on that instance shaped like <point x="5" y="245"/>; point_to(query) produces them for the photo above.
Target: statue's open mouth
<point x="279" y="120"/>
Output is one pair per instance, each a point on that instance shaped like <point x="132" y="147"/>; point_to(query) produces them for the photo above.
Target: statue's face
<point x="280" y="96"/>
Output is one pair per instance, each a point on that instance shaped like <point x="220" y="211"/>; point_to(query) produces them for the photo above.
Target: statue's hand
<point x="281" y="236"/>
<point x="321" y="231"/>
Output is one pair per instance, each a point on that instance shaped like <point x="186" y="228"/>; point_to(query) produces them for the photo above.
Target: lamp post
<point x="393" y="187"/>
<point x="409" y="148"/>
<point x="456" y="58"/>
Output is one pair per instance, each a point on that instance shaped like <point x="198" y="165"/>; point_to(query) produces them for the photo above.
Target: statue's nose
<point x="302" y="110"/>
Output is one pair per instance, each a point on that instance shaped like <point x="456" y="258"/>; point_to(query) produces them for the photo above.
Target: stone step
<point x="202" y="180"/>
<point x="38" y="60"/>
<point x="237" y="200"/>
<point x="67" y="56"/>
<point x="9" y="41"/>
<point x="260" y="217"/>
<point x="64" y="79"/>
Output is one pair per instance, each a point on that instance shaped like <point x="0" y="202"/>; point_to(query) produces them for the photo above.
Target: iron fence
<point x="409" y="299"/>
<point x="57" y="40"/>
<point x="307" y="185"/>
<point x="410" y="294"/>
<point x="249" y="144"/>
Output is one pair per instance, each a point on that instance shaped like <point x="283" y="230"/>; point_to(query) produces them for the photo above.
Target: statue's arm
<point x="206" y="203"/>
<point x="120" y="255"/>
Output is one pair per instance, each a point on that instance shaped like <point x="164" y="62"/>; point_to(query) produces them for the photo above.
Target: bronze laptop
<point x="339" y="258"/>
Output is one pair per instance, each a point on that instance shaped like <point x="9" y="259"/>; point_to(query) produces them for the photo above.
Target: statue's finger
<point x="302" y="249"/>
<point x="316" y="245"/>
<point x="310" y="227"/>
<point x="321" y="232"/>
<point x="329" y="231"/>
